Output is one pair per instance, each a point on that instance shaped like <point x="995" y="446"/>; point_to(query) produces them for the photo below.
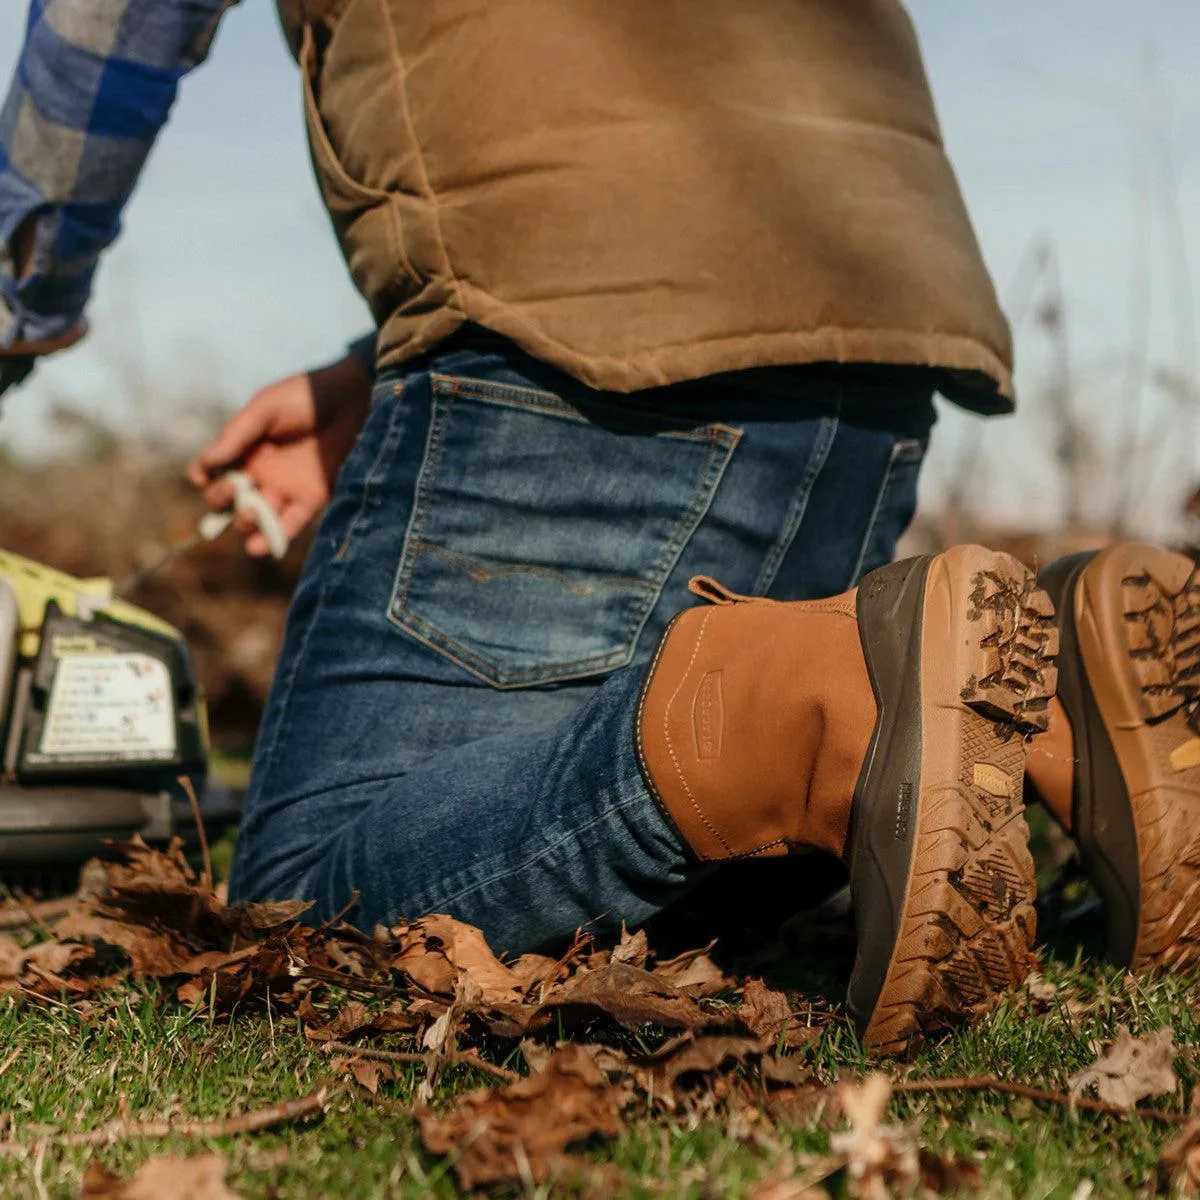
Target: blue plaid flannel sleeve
<point x="94" y="85"/>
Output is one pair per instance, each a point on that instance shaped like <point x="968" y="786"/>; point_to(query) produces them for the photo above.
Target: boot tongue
<point x="709" y="589"/>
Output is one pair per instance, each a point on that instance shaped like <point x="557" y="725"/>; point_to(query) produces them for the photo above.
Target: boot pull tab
<point x="709" y="589"/>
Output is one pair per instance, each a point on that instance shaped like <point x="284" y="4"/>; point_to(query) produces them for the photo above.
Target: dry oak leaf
<point x="168" y="1177"/>
<point x="694" y="973"/>
<point x="536" y="970"/>
<point x="694" y="1056"/>
<point x="355" y="1018"/>
<point x="151" y="953"/>
<point x="526" y="1128"/>
<point x="46" y="958"/>
<point x="769" y="1015"/>
<point x="881" y="1161"/>
<point x="626" y="995"/>
<point x="158" y="888"/>
<point x="464" y="948"/>
<point x="255" y="970"/>
<point x="764" y="1011"/>
<point x="366" y="1074"/>
<point x="1131" y="1069"/>
<point x="633" y="948"/>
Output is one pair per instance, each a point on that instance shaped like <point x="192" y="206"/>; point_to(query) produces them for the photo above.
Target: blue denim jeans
<point x="450" y="728"/>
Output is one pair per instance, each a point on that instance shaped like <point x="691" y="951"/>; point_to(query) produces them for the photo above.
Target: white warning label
<point x="110" y="704"/>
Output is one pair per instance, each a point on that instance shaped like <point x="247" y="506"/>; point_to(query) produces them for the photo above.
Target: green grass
<point x="160" y="1059"/>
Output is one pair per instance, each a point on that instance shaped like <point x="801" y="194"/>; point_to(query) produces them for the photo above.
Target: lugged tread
<point x="1162" y="629"/>
<point x="968" y="926"/>
<point x="1161" y="606"/>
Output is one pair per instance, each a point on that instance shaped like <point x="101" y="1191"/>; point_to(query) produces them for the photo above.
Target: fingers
<point x="282" y="411"/>
<point x="241" y="433"/>
<point x="219" y="495"/>
<point x="294" y="516"/>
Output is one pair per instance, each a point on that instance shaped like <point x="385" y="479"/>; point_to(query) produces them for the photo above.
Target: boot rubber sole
<point x="960" y="651"/>
<point x="1131" y="616"/>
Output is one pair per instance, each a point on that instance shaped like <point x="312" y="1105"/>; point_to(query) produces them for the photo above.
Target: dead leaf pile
<point x="431" y="993"/>
<point x="607" y="1034"/>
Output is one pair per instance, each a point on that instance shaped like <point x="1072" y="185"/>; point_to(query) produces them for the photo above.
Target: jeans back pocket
<point x="540" y="539"/>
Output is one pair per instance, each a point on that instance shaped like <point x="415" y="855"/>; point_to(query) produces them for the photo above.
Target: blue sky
<point x="227" y="276"/>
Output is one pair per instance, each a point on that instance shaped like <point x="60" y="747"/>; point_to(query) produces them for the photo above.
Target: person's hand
<point x="291" y="439"/>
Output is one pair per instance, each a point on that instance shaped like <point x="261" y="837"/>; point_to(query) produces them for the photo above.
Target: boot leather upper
<point x="754" y="724"/>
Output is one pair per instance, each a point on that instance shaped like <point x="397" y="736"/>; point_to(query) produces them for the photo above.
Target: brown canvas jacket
<point x="642" y="192"/>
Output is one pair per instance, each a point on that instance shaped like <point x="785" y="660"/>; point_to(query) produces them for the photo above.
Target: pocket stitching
<point x="461" y="561"/>
<point x="444" y="393"/>
<point x="538" y="400"/>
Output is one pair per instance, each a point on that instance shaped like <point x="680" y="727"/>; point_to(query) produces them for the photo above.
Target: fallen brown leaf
<point x="764" y="1011"/>
<point x="626" y="995"/>
<point x="1131" y="1069"/>
<point x="368" y="1074"/>
<point x="168" y="1177"/>
<point x="769" y="1015"/>
<point x="524" y="1130"/>
<point x="536" y="970"/>
<point x="881" y="1161"/>
<point x="694" y="973"/>
<point x="45" y="958"/>
<point x="463" y="948"/>
<point x="688" y="1058"/>
<point x="1041" y="989"/>
<point x="633" y="948"/>
<point x="356" y="1018"/>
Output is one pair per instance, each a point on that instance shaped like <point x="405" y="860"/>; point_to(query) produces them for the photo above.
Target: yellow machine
<point x="100" y="717"/>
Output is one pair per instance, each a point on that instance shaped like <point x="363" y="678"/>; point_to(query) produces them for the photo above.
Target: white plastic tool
<point x="212" y="525"/>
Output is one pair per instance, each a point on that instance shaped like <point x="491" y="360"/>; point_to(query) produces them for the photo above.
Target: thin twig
<point x="989" y="1083"/>
<point x="355" y="897"/>
<point x="205" y="856"/>
<point x="470" y="1058"/>
<point x="121" y="1131"/>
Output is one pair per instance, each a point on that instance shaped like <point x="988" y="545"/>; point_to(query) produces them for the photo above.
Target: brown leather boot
<point x="885" y="725"/>
<point x="1121" y="766"/>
